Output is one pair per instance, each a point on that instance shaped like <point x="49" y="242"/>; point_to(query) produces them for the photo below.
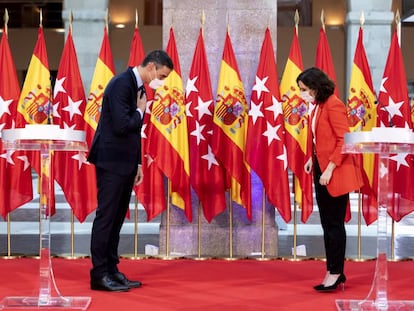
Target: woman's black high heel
<point x="340" y="281"/>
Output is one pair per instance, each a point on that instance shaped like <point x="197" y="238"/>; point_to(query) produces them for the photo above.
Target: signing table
<point x="45" y="139"/>
<point x="384" y="142"/>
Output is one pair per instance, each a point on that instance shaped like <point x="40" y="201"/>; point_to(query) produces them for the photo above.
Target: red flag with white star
<point x="74" y="174"/>
<point x="206" y="173"/>
<point x="324" y="57"/>
<point x="394" y="111"/>
<point x="150" y="192"/>
<point x="15" y="173"/>
<point x="265" y="143"/>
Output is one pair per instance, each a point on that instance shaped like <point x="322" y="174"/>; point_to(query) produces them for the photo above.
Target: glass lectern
<point x="46" y="139"/>
<point x="383" y="142"/>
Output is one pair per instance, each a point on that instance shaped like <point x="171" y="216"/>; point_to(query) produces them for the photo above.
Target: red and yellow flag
<point x="207" y="174"/>
<point x="230" y="128"/>
<point x="168" y="137"/>
<point x="394" y="111"/>
<point x="35" y="107"/>
<point x="73" y="172"/>
<point x="362" y="116"/>
<point x="296" y="117"/>
<point x="34" y="104"/>
<point x="104" y="71"/>
<point x="15" y="173"/>
<point x="265" y="144"/>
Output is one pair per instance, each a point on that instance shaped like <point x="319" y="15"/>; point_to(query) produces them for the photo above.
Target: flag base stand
<point x="79" y="303"/>
<point x="134" y="256"/>
<point x="371" y="305"/>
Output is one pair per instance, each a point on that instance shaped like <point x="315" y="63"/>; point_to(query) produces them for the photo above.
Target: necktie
<point x="141" y="91"/>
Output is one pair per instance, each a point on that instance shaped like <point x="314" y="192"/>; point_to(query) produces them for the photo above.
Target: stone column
<point x="88" y="26"/>
<point x="247" y="21"/>
<point x="377" y="35"/>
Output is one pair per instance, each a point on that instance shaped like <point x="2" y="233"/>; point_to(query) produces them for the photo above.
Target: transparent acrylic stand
<point x="46" y="139"/>
<point x="383" y="142"/>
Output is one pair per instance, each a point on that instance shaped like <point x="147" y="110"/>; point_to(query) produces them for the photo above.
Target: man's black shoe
<point x="108" y="284"/>
<point x="122" y="279"/>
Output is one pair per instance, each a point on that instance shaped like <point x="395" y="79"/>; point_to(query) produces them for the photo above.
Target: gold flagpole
<point x="263" y="224"/>
<point x="167" y="233"/>
<point x="136" y="228"/>
<point x="231" y="226"/>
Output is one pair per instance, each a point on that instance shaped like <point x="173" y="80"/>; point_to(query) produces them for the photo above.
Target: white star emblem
<point x="400" y="159"/>
<point x="260" y="86"/>
<point x="56" y="110"/>
<point x="73" y="107"/>
<point x="191" y="86"/>
<point x="81" y="158"/>
<point x="198" y="132"/>
<point x="255" y="111"/>
<point x="203" y="107"/>
<point x="59" y="86"/>
<point x="283" y="157"/>
<point x="382" y="88"/>
<point x="393" y="108"/>
<point x="271" y="133"/>
<point x="8" y="156"/>
<point x="149" y="159"/>
<point x="187" y="109"/>
<point x="209" y="157"/>
<point x="25" y="161"/>
<point x="276" y="108"/>
<point x="4" y="106"/>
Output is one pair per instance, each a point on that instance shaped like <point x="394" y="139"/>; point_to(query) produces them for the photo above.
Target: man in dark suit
<point x="116" y="153"/>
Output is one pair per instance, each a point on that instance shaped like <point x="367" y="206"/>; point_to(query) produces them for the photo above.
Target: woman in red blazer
<point x="335" y="173"/>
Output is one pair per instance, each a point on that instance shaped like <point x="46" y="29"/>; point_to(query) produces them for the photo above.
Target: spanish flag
<point x="362" y="116"/>
<point x="104" y="71"/>
<point x="168" y="136"/>
<point x="296" y="121"/>
<point x="230" y="128"/>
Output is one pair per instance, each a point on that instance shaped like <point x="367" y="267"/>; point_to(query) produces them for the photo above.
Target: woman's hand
<point x="327" y="174"/>
<point x="140" y="176"/>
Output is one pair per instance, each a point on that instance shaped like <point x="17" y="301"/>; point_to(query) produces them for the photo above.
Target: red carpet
<point x="186" y="284"/>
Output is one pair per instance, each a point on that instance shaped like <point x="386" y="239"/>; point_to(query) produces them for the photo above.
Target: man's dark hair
<point x="159" y="57"/>
<point x="315" y="79"/>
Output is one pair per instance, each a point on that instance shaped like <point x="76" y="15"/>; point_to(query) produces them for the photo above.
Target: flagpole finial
<point x="136" y="18"/>
<point x="6" y="20"/>
<point x="41" y="18"/>
<point x="227" y="22"/>
<point x="323" y="19"/>
<point x="296" y="19"/>
<point x="362" y="19"/>
<point x="107" y="19"/>
<point x="397" y="17"/>
<point x="202" y="18"/>
<point x="70" y="20"/>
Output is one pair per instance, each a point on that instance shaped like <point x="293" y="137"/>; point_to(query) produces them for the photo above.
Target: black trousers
<point x="114" y="194"/>
<point x="332" y="211"/>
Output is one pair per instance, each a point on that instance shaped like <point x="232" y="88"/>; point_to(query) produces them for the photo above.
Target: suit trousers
<point x="332" y="211"/>
<point x="114" y="195"/>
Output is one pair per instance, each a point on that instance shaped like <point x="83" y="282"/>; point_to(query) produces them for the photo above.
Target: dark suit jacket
<point x="330" y="128"/>
<point x="116" y="145"/>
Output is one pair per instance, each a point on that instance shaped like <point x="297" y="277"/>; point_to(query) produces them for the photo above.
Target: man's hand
<point x="308" y="166"/>
<point x="139" y="177"/>
<point x="142" y="101"/>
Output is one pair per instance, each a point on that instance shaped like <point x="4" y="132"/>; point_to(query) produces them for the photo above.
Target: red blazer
<point x="330" y="128"/>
